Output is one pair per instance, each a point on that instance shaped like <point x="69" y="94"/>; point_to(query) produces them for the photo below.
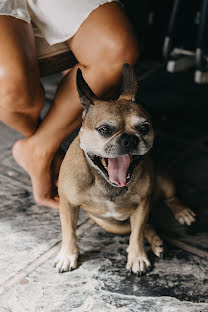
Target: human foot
<point x="42" y="168"/>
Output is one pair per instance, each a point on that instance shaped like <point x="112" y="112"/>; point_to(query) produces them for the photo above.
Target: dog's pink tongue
<point x="117" y="169"/>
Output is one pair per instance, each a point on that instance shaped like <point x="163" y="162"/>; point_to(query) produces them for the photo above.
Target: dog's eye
<point x="144" y="128"/>
<point x="105" y="130"/>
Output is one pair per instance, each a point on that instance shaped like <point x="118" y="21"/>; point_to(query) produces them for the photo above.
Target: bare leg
<point x="67" y="257"/>
<point x="21" y="100"/>
<point x="21" y="94"/>
<point x="137" y="258"/>
<point x="101" y="45"/>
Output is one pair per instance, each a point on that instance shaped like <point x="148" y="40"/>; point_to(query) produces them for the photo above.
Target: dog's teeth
<point x="103" y="162"/>
<point x="128" y="176"/>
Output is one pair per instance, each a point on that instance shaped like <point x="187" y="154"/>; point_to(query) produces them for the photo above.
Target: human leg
<point x="101" y="45"/>
<point x="22" y="98"/>
<point x="21" y="95"/>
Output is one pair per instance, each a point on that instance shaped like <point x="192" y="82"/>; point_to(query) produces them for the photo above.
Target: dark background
<point x="177" y="105"/>
<point x="151" y="23"/>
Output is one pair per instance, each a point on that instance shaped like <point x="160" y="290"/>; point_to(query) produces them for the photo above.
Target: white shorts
<point x="56" y="20"/>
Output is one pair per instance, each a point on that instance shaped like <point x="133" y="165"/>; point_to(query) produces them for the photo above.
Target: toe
<point x="158" y="251"/>
<point x="65" y="262"/>
<point x="191" y="212"/>
<point x="129" y="266"/>
<point x="65" y="266"/>
<point x="59" y="265"/>
<point x="140" y="266"/>
<point x="180" y="220"/>
<point x="189" y="219"/>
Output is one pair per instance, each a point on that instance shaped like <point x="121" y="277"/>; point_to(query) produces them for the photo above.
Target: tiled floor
<point x="30" y="235"/>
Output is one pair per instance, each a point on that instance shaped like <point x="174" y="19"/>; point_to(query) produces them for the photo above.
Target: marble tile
<point x="26" y="229"/>
<point x="8" y="137"/>
<point x="176" y="283"/>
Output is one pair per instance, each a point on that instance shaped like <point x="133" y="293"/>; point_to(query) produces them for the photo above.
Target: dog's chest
<point x="112" y="211"/>
<point x="107" y="209"/>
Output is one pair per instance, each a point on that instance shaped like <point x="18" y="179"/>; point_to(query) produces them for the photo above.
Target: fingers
<point x="186" y="216"/>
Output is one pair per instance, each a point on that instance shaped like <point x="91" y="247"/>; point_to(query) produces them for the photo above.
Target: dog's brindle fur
<point x="83" y="184"/>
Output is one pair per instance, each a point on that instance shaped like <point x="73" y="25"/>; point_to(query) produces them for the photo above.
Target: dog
<point x="108" y="172"/>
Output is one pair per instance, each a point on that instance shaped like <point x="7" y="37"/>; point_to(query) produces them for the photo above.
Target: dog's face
<point x="114" y="134"/>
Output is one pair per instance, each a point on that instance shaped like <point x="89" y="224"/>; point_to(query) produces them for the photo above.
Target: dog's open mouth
<point x="117" y="170"/>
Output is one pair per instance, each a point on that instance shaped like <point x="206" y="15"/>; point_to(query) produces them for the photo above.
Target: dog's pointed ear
<point x="130" y="84"/>
<point x="86" y="95"/>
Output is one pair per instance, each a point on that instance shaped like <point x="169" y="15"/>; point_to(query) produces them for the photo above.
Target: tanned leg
<point x="101" y="45"/>
<point x="21" y="94"/>
<point x="21" y="100"/>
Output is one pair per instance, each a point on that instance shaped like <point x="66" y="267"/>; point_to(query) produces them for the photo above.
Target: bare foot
<point x="43" y="171"/>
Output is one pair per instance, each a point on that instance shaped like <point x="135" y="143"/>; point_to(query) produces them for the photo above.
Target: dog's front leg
<point x="68" y="254"/>
<point x="138" y="261"/>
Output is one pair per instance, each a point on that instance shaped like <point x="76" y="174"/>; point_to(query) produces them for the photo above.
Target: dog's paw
<point x="65" y="262"/>
<point x="157" y="246"/>
<point x="185" y="216"/>
<point x="138" y="264"/>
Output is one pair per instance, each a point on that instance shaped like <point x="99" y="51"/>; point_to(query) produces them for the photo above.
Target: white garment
<point x="57" y="20"/>
<point x="15" y="8"/>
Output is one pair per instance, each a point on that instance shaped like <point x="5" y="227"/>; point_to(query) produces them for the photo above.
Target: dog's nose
<point x="129" y="141"/>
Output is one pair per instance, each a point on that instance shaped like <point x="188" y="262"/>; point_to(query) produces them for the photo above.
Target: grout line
<point x="41" y="259"/>
<point x="196" y="251"/>
<point x="2" y="309"/>
<point x="15" y="175"/>
<point x="5" y="154"/>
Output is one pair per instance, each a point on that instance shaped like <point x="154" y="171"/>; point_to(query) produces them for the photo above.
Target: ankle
<point x="34" y="152"/>
<point x="43" y="149"/>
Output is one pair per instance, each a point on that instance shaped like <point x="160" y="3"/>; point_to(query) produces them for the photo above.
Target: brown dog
<point x="108" y="172"/>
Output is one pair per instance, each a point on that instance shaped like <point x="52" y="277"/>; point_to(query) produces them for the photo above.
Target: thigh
<point x="106" y="33"/>
<point x="18" y="61"/>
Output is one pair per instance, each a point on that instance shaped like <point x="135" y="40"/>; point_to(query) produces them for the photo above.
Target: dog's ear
<point x="130" y="84"/>
<point x="86" y="95"/>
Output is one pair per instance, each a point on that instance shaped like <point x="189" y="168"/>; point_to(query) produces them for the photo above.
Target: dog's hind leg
<point x="166" y="190"/>
<point x="154" y="240"/>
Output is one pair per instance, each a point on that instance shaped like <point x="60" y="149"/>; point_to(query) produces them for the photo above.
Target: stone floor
<point x="30" y="235"/>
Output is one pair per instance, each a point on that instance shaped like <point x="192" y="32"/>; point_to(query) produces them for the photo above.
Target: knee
<point x="124" y="51"/>
<point x="116" y="52"/>
<point x="16" y="94"/>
